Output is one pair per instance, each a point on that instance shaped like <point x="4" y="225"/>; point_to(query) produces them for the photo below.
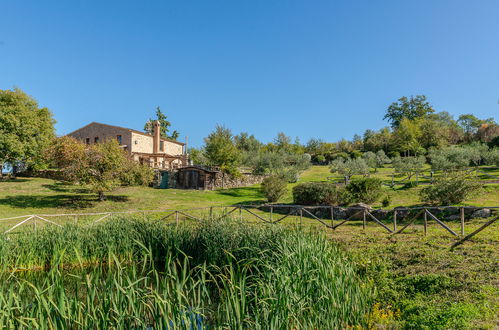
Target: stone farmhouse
<point x="157" y="152"/>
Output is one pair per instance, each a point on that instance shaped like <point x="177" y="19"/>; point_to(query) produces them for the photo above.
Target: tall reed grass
<point x="130" y="273"/>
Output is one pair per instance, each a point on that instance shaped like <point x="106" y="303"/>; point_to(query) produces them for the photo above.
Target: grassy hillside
<point x="44" y="196"/>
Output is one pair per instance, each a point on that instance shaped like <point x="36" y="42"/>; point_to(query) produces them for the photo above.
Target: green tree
<point x="349" y="167"/>
<point x="102" y="166"/>
<point x="380" y="140"/>
<point x="434" y="132"/>
<point x="220" y="150"/>
<point x="370" y="158"/>
<point x="409" y="165"/>
<point x="407" y="136"/>
<point x="26" y="130"/>
<point x="381" y="159"/>
<point x="197" y="156"/>
<point x="410" y="108"/>
<point x="247" y="143"/>
<point x="164" y="126"/>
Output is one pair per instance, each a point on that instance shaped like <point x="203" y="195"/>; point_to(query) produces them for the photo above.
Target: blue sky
<point x="324" y="69"/>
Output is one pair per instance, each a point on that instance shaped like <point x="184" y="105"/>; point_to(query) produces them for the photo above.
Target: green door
<point x="165" y="180"/>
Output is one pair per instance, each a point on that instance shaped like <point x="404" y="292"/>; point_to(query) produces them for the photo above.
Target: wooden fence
<point x="328" y="216"/>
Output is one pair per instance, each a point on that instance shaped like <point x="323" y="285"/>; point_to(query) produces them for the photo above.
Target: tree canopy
<point x="164" y="126"/>
<point x="25" y="129"/>
<point x="220" y="150"/>
<point x="102" y="166"/>
<point x="411" y="108"/>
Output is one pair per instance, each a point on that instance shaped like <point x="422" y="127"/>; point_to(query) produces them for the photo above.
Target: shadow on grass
<point x="65" y="187"/>
<point x="13" y="180"/>
<point x="241" y="192"/>
<point x="65" y="201"/>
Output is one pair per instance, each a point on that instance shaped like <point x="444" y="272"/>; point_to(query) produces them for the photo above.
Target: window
<point x="118" y="137"/>
<point x="87" y="140"/>
<point x="96" y="139"/>
<point x="161" y="145"/>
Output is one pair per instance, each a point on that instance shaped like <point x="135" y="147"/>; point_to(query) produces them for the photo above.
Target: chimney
<point x="156" y="136"/>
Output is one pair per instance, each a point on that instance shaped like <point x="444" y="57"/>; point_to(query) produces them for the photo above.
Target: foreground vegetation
<point x="131" y="273"/>
<point x="420" y="283"/>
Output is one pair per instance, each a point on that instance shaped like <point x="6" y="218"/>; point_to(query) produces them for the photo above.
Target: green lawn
<point x="44" y="196"/>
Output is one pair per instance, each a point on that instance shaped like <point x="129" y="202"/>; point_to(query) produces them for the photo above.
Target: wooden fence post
<point x="462" y="220"/>
<point x="332" y="217"/>
<point x="364" y="219"/>
<point x="394" y="220"/>
<point x="211" y="212"/>
<point x="176" y="217"/>
<point x="425" y="224"/>
<point x="271" y="212"/>
<point x="240" y="213"/>
<point x="301" y="217"/>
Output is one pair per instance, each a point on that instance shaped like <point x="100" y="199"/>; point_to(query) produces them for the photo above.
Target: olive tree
<point x="409" y="166"/>
<point x="349" y="167"/>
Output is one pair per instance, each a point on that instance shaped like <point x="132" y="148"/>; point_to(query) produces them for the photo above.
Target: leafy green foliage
<point x="274" y="187"/>
<point x="492" y="157"/>
<point x="349" y="167"/>
<point x="452" y="188"/>
<point x="386" y="201"/>
<point x="26" y="130"/>
<point x="102" y="166"/>
<point x="220" y="150"/>
<point x="288" y="165"/>
<point x="316" y="193"/>
<point x="164" y="126"/>
<point x="409" y="108"/>
<point x="364" y="190"/>
<point x="218" y="274"/>
<point x="408" y="165"/>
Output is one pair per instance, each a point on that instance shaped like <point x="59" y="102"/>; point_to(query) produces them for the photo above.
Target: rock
<point x="340" y="213"/>
<point x="452" y="210"/>
<point x="481" y="213"/>
<point x="402" y="212"/>
<point x="453" y="217"/>
<point x="380" y="214"/>
<point x="354" y="211"/>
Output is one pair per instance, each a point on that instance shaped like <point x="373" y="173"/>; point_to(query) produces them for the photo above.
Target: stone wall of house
<point x="103" y="132"/>
<point x="142" y="143"/>
<point x="173" y="148"/>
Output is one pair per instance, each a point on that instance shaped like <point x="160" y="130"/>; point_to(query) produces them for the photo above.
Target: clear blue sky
<point x="324" y="69"/>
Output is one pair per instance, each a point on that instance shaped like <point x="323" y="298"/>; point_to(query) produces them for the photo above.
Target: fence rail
<point x="331" y="217"/>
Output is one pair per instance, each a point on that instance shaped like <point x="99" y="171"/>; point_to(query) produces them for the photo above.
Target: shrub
<point x="365" y="190"/>
<point x="386" y="201"/>
<point x="321" y="159"/>
<point x="274" y="187"/>
<point x="450" y="189"/>
<point x="136" y="174"/>
<point x="356" y="154"/>
<point x="315" y="193"/>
